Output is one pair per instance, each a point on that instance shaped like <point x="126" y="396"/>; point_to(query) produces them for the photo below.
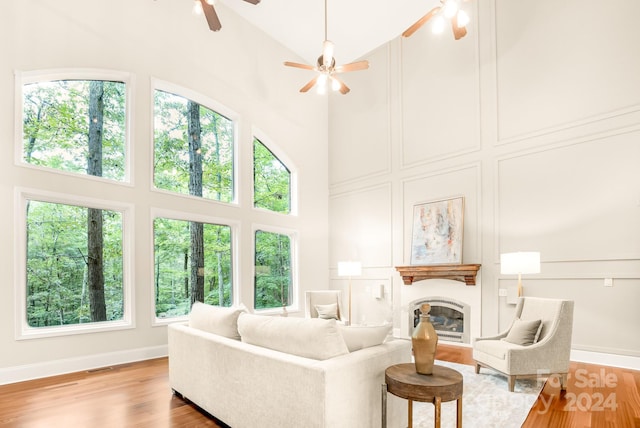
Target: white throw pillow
<point x="218" y="320"/>
<point x="359" y="337"/>
<point x="306" y="337"/>
<point x="327" y="312"/>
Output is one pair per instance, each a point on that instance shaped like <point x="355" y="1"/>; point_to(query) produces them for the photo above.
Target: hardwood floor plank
<point x="138" y="395"/>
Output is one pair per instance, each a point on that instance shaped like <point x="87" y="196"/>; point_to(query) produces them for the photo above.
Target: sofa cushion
<point x="305" y="337"/>
<point x="359" y="337"/>
<point x="327" y="312"/>
<point x="524" y="332"/>
<point x="218" y="320"/>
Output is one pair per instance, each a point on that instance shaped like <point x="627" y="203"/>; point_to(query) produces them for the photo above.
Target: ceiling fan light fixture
<point x="463" y="18"/>
<point x="449" y="8"/>
<point x="197" y="8"/>
<point x="437" y="26"/>
<point x="321" y="84"/>
<point x="335" y="85"/>
<point x="327" y="53"/>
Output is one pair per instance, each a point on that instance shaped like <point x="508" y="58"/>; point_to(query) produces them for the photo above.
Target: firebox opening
<point x="450" y="318"/>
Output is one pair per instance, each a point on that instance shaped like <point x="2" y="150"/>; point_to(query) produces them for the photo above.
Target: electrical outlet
<point x="502" y="292"/>
<point x="608" y="282"/>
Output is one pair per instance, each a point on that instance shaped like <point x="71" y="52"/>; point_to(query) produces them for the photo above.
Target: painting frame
<point x="437" y="232"/>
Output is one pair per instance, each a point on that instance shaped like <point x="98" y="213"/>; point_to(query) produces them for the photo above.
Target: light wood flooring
<point x="138" y="395"/>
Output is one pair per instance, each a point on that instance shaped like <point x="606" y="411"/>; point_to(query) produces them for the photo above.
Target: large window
<point x="273" y="277"/>
<point x="75" y="267"/>
<point x="271" y="180"/>
<point x="77" y="126"/>
<point x="193" y="151"/>
<point x="193" y="261"/>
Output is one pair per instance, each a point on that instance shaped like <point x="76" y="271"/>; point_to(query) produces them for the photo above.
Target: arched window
<point x="271" y="180"/>
<point x="77" y="126"/>
<point x="193" y="148"/>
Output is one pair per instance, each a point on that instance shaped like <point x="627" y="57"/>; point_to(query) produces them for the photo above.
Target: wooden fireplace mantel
<point x="463" y="273"/>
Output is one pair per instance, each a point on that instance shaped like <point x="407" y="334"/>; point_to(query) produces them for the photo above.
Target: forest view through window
<point x="75" y="126"/>
<point x="193" y="153"/>
<point x="272" y="270"/>
<point x="192" y="262"/>
<point x="271" y="180"/>
<point x="74" y="264"/>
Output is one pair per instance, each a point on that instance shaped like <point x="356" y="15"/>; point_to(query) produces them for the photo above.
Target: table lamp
<point x="349" y="269"/>
<point x="519" y="263"/>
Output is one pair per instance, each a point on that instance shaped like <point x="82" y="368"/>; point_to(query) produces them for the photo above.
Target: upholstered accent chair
<point x="529" y="348"/>
<point x="320" y="304"/>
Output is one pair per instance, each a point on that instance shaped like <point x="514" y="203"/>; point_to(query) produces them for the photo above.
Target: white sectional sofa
<point x="256" y="371"/>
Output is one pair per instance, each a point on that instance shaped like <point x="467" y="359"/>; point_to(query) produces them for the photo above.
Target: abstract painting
<point x="437" y="232"/>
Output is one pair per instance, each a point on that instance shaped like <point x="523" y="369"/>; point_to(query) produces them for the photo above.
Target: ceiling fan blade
<point x="253" y="1"/>
<point x="420" y="22"/>
<point x="298" y="65"/>
<point x="458" y="32"/>
<point x="211" y="15"/>
<point x="344" y="89"/>
<point x="354" y="66"/>
<point x="309" y="85"/>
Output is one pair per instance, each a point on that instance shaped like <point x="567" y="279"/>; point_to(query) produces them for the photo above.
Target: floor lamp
<point x="519" y="263"/>
<point x="349" y="269"/>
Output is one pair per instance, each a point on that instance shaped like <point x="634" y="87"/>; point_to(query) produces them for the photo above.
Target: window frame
<point x="38" y="76"/>
<point x="22" y="328"/>
<point x="294" y="260"/>
<point x="257" y="134"/>
<point x="189" y="94"/>
<point x="187" y="216"/>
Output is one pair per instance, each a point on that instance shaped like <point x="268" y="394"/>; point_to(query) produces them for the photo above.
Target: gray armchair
<point x="323" y="297"/>
<point x="509" y="353"/>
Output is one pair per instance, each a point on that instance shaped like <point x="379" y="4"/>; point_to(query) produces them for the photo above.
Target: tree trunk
<point x="95" y="238"/>
<point x="195" y="188"/>
<point x="220" y="281"/>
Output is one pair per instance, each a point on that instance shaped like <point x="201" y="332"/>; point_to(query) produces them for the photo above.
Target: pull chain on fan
<point x="326" y="67"/>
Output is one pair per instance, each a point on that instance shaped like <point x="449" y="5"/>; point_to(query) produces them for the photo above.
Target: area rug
<point x="486" y="401"/>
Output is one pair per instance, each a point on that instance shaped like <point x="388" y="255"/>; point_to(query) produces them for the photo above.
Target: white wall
<point x="534" y="117"/>
<point x="239" y="67"/>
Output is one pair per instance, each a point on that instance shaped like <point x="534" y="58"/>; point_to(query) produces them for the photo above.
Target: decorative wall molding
<point x="389" y="118"/>
<point x="476" y="144"/>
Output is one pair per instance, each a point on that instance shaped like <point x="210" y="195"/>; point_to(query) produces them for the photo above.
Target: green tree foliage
<point x="57" y="288"/>
<point x="271" y="180"/>
<point x="171" y="242"/>
<point x="56" y="129"/>
<point x="273" y="270"/>
<point x="171" y="152"/>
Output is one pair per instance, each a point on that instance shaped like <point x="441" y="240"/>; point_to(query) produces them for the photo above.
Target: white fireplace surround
<point x="446" y="290"/>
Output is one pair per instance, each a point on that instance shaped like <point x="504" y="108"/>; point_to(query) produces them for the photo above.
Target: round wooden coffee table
<point x="443" y="385"/>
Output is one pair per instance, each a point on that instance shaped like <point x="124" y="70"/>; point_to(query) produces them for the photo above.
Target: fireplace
<point x="450" y="318"/>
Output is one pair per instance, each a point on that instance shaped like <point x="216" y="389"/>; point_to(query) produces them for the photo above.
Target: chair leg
<point x="512" y="382"/>
<point x="563" y="381"/>
<point x="477" y="368"/>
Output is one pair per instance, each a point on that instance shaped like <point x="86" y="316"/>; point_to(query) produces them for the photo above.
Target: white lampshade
<point x="349" y="268"/>
<point x="520" y="262"/>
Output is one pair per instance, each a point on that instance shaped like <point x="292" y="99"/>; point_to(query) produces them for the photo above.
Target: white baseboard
<point x="606" y="359"/>
<point x="70" y="365"/>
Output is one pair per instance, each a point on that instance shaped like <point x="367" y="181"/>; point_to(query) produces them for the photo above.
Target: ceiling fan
<point x="206" y="7"/>
<point x="448" y="9"/>
<point x="326" y="67"/>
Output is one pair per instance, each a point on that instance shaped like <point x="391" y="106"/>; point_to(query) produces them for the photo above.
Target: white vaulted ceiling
<point x="355" y="26"/>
